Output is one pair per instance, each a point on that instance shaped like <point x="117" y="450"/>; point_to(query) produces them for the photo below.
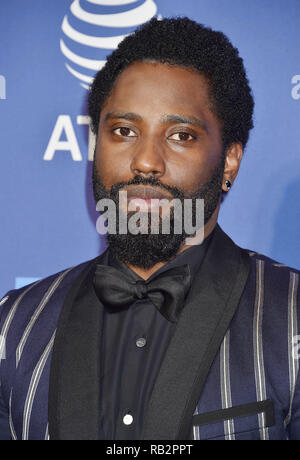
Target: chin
<point x="144" y="250"/>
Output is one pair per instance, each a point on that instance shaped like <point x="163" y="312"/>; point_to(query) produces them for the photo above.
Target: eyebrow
<point x="130" y="116"/>
<point x="185" y="119"/>
<point x="171" y="118"/>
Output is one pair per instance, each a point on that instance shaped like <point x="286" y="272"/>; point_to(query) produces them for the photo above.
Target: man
<point x="156" y="338"/>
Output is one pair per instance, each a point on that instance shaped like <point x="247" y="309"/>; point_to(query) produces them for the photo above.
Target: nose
<point x="148" y="160"/>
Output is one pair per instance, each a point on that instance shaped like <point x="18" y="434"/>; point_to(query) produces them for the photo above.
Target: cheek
<point x="188" y="179"/>
<point x="111" y="165"/>
<point x="103" y="163"/>
<point x="191" y="174"/>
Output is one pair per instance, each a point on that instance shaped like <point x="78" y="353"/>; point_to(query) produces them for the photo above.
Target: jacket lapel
<point x="210" y="306"/>
<point x="75" y="365"/>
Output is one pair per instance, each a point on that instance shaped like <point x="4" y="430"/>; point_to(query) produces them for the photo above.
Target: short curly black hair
<point x="183" y="42"/>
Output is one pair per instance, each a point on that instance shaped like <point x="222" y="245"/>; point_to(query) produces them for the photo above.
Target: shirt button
<point x="127" y="419"/>
<point x="141" y="342"/>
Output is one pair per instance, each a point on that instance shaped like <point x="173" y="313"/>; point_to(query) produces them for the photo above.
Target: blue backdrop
<point x="49" y="51"/>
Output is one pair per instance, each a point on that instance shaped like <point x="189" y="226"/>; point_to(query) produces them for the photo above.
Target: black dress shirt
<point x="134" y="341"/>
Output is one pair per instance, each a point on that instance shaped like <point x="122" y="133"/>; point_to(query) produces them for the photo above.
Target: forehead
<point x="156" y="89"/>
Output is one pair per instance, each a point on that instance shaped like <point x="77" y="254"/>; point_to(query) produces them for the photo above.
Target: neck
<point x="145" y="273"/>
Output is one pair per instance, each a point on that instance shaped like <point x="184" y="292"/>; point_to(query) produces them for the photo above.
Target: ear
<point x="233" y="157"/>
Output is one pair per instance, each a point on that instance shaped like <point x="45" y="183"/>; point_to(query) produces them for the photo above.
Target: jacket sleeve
<point x="4" y="415"/>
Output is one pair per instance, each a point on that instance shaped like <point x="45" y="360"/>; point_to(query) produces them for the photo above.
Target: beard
<point x="146" y="249"/>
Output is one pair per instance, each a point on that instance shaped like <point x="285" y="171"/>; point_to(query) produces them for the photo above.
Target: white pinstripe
<point x="260" y="381"/>
<point x="196" y="429"/>
<point x="37" y="313"/>
<point x="33" y="387"/>
<point x="47" y="437"/>
<point x="11" y="425"/>
<point x="225" y="386"/>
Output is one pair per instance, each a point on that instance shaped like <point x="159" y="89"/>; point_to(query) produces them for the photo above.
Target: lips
<point x="145" y="198"/>
<point x="146" y="193"/>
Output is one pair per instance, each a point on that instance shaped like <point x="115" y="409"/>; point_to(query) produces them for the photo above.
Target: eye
<point x="181" y="137"/>
<point x="124" y="132"/>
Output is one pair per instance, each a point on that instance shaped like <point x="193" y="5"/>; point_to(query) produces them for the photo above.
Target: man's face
<point x="157" y="125"/>
<point x="140" y="131"/>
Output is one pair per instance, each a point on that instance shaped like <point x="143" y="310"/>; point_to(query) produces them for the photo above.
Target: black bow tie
<point x="167" y="291"/>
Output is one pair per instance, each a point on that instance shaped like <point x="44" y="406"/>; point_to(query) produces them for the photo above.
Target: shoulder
<point x="28" y="321"/>
<point x="263" y="269"/>
<point x="271" y="267"/>
<point x="50" y="292"/>
<point x="275" y="283"/>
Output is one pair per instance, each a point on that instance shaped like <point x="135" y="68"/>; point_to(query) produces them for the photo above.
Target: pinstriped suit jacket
<point x="230" y="372"/>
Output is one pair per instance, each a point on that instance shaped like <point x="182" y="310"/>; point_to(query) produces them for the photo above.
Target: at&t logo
<point x="90" y="36"/>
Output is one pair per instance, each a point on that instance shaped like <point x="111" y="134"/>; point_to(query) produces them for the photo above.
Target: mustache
<point x="147" y="181"/>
